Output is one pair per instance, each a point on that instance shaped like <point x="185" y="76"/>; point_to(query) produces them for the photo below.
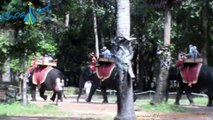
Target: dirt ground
<point x="99" y="111"/>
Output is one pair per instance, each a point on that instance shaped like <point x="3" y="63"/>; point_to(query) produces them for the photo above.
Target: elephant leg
<point x="189" y="97"/>
<point x="209" y="99"/>
<point x="92" y="91"/>
<point x="53" y="96"/>
<point x="33" y="93"/>
<point x="104" y="94"/>
<point x="41" y="91"/>
<point x="167" y="93"/>
<point x="178" y="96"/>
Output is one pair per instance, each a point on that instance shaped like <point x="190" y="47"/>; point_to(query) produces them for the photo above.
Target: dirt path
<point x="97" y="108"/>
<point x="97" y="111"/>
<point x="83" y="110"/>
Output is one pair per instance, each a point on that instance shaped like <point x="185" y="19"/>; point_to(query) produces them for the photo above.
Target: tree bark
<point x="123" y="18"/>
<point x="95" y="29"/>
<point x="167" y="26"/>
<point x="123" y="51"/>
<point x="67" y="19"/>
<point x="205" y="30"/>
<point x="165" y="61"/>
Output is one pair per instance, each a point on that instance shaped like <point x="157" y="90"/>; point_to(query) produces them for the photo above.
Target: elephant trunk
<point x="81" y="86"/>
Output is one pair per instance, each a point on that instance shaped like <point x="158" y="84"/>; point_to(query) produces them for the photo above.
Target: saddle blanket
<point x="190" y="73"/>
<point x="40" y="74"/>
<point x="104" y="71"/>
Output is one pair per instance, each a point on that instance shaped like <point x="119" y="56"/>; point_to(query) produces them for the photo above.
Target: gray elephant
<point x="203" y="81"/>
<point x="174" y="74"/>
<point x="107" y="81"/>
<point x="108" y="74"/>
<point x="46" y="78"/>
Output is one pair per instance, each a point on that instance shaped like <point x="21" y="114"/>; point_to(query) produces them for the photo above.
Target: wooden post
<point x="25" y="90"/>
<point x="24" y="94"/>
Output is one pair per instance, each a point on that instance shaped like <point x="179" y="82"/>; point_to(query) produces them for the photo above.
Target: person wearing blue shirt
<point x="193" y="52"/>
<point x="106" y="53"/>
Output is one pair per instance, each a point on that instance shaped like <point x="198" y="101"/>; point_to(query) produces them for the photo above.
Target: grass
<point x="68" y="91"/>
<point x="17" y="109"/>
<point x="144" y="105"/>
<point x="197" y="100"/>
<point x="95" y="117"/>
<point x="161" y="108"/>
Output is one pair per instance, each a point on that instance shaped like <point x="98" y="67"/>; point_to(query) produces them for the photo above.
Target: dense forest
<point x="65" y="30"/>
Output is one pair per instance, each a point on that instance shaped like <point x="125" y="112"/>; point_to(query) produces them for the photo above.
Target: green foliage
<point x="34" y="41"/>
<point x="69" y="91"/>
<point x="4" y="45"/>
<point x="15" y="64"/>
<point x="163" y="108"/>
<point x="72" y="45"/>
<point x="164" y="3"/>
<point x="144" y="104"/>
<point x="16" y="5"/>
<point x="4" y="42"/>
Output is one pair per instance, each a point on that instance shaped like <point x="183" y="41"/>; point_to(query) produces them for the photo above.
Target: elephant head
<point x="85" y="75"/>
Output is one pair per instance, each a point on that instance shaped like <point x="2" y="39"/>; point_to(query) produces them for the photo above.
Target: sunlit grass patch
<point x="144" y="104"/>
<point x="162" y="108"/>
<point x="17" y="109"/>
<point x="197" y="101"/>
<point x="91" y="116"/>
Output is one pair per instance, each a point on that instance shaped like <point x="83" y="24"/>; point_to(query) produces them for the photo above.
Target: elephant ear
<point x="86" y="70"/>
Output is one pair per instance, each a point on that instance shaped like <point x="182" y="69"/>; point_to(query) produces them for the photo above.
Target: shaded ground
<point x="99" y="111"/>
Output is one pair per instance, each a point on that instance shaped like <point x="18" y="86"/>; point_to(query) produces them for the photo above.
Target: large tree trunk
<point x="165" y="61"/>
<point x="95" y="30"/>
<point x="122" y="49"/>
<point x="205" y="30"/>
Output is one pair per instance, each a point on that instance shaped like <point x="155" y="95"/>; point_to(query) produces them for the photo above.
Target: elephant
<point x="174" y="74"/>
<point x="52" y="82"/>
<point x="109" y="82"/>
<point x="203" y="84"/>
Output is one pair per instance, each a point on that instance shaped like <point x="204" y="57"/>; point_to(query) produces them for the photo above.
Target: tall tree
<point x="123" y="50"/>
<point x="205" y="29"/>
<point x="95" y="29"/>
<point x="166" y="55"/>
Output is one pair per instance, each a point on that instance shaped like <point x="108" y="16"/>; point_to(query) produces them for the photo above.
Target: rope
<point x="151" y="91"/>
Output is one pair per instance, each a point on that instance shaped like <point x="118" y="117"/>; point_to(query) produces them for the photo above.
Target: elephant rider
<point x="93" y="62"/>
<point x="46" y="58"/>
<point x="32" y="66"/>
<point x="193" y="53"/>
<point x="106" y="53"/>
